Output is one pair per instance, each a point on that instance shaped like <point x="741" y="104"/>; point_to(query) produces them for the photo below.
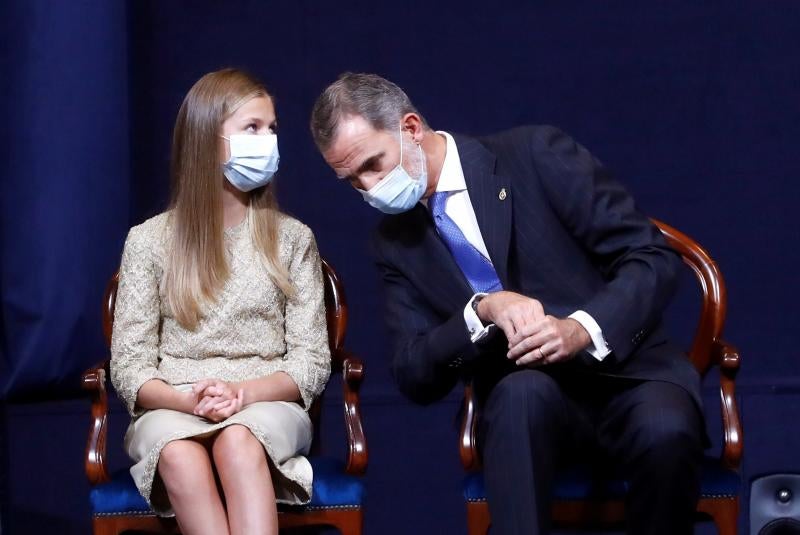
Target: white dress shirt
<point x="459" y="208"/>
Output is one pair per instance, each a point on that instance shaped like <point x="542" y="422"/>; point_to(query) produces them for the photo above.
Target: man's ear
<point x="412" y="123"/>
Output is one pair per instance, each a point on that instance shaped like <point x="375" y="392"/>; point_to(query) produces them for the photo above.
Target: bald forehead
<point x="350" y="125"/>
<point x="355" y="141"/>
<point x="351" y="129"/>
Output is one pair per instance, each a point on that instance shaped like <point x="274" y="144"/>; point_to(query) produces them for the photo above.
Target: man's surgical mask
<point x="397" y="192"/>
<point x="254" y="159"/>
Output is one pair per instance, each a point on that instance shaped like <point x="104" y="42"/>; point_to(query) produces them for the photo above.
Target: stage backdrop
<point x="694" y="107"/>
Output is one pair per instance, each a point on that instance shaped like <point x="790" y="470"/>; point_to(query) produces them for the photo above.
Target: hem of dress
<point x="151" y="464"/>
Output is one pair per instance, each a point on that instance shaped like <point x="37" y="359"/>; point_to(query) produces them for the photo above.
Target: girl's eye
<point x="252" y="127"/>
<point x="273" y="128"/>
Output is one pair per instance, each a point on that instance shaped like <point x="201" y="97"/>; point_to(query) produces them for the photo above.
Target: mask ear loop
<point x="419" y="146"/>
<point x="424" y="161"/>
<point x="401" y="146"/>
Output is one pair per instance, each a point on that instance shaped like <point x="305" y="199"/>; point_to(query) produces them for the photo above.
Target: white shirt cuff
<point x="477" y="330"/>
<point x="599" y="347"/>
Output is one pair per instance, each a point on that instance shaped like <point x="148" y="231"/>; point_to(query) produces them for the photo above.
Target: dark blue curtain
<point x="65" y="186"/>
<point x="694" y="105"/>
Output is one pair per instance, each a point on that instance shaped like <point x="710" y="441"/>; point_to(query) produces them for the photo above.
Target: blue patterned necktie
<point x="478" y="270"/>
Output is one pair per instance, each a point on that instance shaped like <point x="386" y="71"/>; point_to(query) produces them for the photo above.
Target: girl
<point x="219" y="344"/>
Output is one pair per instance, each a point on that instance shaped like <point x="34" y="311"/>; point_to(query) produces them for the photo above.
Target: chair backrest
<point x="712" y="285"/>
<point x="335" y="309"/>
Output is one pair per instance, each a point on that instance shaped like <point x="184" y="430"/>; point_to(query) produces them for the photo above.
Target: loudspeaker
<point x="775" y="505"/>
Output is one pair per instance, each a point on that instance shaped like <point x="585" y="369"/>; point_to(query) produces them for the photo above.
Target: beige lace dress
<point x="252" y="330"/>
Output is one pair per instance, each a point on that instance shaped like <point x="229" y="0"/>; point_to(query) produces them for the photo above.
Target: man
<point x="516" y="261"/>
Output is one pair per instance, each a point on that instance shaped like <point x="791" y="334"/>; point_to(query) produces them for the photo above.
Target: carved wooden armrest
<point x="352" y="376"/>
<point x="94" y="381"/>
<point x="468" y="449"/>
<point x="727" y="356"/>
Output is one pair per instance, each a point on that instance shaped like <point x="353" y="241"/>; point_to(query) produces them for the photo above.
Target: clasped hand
<point x="217" y="400"/>
<point x="534" y="338"/>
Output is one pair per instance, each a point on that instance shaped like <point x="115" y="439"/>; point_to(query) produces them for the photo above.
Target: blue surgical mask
<point x="397" y="192"/>
<point x="254" y="159"/>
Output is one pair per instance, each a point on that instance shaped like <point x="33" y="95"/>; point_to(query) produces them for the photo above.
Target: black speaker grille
<point x="781" y="526"/>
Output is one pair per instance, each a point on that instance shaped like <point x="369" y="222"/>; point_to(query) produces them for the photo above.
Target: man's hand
<point x="547" y="341"/>
<point x="218" y="400"/>
<point x="510" y="311"/>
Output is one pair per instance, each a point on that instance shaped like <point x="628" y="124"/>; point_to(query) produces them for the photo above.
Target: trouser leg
<point x="527" y="422"/>
<point x="654" y="430"/>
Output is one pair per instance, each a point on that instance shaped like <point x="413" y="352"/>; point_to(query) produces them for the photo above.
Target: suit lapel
<point x="491" y="199"/>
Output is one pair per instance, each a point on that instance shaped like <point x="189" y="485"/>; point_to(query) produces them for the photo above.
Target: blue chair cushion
<point x="118" y="496"/>
<point x="577" y="483"/>
<point x="332" y="488"/>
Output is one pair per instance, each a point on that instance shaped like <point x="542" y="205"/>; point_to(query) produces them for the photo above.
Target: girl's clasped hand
<point x="217" y="400"/>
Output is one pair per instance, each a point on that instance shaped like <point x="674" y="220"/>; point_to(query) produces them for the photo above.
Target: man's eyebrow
<point x="369" y="162"/>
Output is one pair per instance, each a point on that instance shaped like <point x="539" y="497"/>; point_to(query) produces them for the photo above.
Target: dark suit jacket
<point x="565" y="233"/>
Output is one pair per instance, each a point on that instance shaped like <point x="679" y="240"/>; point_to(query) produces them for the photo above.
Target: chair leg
<point x="725" y="521"/>
<point x="114" y="525"/>
<point x="346" y="521"/>
<point x="724" y="512"/>
<point x="351" y="524"/>
<point x="102" y="526"/>
<point x="478" y="518"/>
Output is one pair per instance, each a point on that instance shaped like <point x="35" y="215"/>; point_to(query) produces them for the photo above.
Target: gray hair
<point x="379" y="101"/>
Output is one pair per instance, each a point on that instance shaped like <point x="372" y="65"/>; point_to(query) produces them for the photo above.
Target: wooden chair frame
<point x="708" y="349"/>
<point x="349" y="521"/>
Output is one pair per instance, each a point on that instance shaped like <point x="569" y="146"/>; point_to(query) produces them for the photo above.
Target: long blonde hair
<point x="196" y="267"/>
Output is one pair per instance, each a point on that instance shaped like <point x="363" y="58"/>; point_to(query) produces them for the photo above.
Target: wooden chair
<point x="576" y="500"/>
<point x="117" y="506"/>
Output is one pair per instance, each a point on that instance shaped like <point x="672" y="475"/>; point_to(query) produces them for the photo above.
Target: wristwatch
<point x="475" y="301"/>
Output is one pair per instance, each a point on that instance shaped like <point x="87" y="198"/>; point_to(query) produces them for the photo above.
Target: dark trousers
<point x="650" y="432"/>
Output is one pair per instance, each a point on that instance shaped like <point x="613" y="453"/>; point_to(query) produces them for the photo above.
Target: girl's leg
<point x="242" y="467"/>
<point x="185" y="468"/>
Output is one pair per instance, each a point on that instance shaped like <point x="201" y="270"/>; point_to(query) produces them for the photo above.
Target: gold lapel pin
<point x="502" y="195"/>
